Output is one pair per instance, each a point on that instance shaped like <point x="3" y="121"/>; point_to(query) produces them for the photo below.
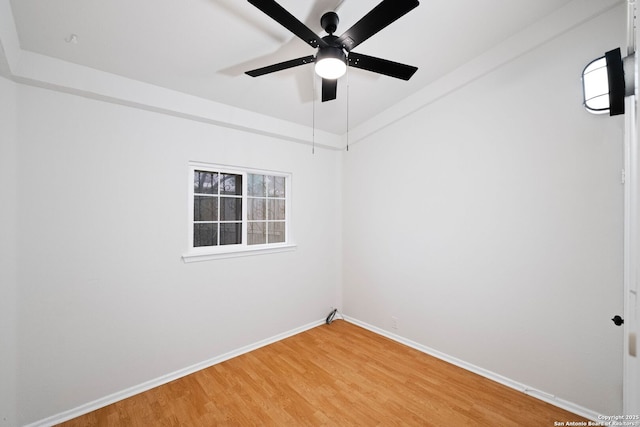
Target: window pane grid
<point x="267" y="209"/>
<point x="238" y="208"/>
<point x="266" y="232"/>
<point x="217" y="208"/>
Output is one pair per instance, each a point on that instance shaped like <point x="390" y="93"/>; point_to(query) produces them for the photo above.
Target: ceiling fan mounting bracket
<point x="329" y="22"/>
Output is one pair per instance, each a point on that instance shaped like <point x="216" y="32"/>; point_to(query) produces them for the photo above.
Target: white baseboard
<point x="132" y="391"/>
<point x="538" y="394"/>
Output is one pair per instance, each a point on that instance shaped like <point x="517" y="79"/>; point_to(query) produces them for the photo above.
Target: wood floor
<point x="338" y="375"/>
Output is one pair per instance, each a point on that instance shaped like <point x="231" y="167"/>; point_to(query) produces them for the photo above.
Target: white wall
<point x="106" y="302"/>
<point x="489" y="226"/>
<point x="489" y="223"/>
<point x="8" y="276"/>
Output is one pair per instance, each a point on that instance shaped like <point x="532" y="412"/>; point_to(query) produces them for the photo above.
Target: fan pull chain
<point x="313" y="119"/>
<point x="347" y="108"/>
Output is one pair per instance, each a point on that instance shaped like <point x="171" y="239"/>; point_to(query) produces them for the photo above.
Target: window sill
<point x="234" y="253"/>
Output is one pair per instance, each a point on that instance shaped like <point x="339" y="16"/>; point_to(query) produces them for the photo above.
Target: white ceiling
<point x="203" y="47"/>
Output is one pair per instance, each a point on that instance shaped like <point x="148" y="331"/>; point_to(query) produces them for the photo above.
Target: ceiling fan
<point x="334" y="53"/>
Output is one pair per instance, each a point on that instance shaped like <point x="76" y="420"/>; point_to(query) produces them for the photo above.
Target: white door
<point x="631" y="364"/>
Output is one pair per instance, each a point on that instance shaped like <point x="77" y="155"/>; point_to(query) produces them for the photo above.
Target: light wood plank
<point x="338" y="374"/>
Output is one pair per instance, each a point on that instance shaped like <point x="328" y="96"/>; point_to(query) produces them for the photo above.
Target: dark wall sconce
<point x="606" y="81"/>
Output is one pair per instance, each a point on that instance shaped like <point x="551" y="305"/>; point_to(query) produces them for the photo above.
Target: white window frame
<point x="205" y="253"/>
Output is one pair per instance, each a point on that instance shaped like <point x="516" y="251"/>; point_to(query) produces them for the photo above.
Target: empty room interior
<point x="182" y="187"/>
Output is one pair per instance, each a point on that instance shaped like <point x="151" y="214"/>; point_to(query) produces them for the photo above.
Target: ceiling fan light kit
<point x="331" y="63"/>
<point x="334" y="53"/>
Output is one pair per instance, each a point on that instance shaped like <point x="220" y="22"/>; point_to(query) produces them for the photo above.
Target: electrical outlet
<point x="394" y="322"/>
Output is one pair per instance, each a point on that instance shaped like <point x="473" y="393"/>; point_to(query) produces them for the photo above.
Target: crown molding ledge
<point x="38" y="70"/>
<point x="547" y="29"/>
<point x="42" y="71"/>
<point x="9" y="43"/>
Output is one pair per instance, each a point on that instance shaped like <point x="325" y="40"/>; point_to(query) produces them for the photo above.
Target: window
<point x="217" y="208"/>
<point x="266" y="209"/>
<point x="235" y="212"/>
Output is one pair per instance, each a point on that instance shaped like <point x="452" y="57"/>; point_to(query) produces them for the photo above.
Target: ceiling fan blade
<point x="329" y="89"/>
<point x="281" y="66"/>
<point x="290" y="22"/>
<point x="379" y="17"/>
<point x="381" y="66"/>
